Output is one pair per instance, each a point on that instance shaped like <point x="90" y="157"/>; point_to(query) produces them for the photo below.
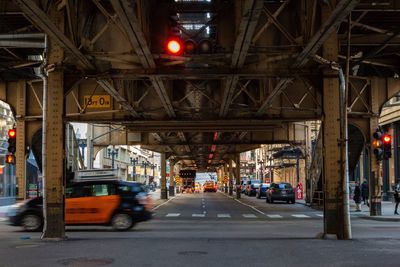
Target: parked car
<point x="112" y="202"/>
<point x="251" y="187"/>
<point x="243" y="185"/>
<point x="262" y="190"/>
<point x="281" y="191"/>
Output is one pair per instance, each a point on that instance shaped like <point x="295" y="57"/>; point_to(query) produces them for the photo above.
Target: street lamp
<point x="145" y="163"/>
<point x="261" y="162"/>
<point x="112" y="153"/>
<point x="271" y="173"/>
<point x="134" y="161"/>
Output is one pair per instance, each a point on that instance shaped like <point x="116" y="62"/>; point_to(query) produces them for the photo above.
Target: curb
<point x="380" y="218"/>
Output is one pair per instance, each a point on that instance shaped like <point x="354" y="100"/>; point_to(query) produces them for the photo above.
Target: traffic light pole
<point x="20" y="159"/>
<point x="375" y="164"/>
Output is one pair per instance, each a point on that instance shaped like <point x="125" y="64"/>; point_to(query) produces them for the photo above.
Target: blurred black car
<point x="262" y="190"/>
<point x="112" y="202"/>
<point x="281" y="191"/>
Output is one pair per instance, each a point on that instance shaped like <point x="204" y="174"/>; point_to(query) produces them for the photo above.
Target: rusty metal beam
<point x="40" y="19"/>
<point x="340" y="13"/>
<point x="242" y="44"/>
<point x="115" y="94"/>
<point x="125" y="11"/>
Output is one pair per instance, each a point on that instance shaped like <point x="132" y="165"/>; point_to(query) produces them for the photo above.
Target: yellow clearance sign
<point x="97" y="101"/>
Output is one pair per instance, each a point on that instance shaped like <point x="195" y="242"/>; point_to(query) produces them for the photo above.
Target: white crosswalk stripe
<point x="173" y="215"/>
<point x="320" y="215"/>
<point x="198" y="215"/>
<point x="300" y="216"/>
<point x="224" y="215"/>
<point x="249" y="215"/>
<point x="274" y="216"/>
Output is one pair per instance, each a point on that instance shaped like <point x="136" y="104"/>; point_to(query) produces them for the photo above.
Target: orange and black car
<point x="116" y="203"/>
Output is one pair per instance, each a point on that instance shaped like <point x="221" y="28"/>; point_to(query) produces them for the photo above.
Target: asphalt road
<point x="210" y="229"/>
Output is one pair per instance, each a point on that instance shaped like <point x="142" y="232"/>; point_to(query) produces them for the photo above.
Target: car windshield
<point x="285" y="186"/>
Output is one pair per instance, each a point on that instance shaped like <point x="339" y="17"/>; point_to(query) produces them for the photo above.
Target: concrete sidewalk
<point x="387" y="211"/>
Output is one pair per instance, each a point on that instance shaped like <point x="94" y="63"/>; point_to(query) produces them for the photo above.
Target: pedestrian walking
<point x="397" y="197"/>
<point x="357" y="197"/>
<point x="365" y="192"/>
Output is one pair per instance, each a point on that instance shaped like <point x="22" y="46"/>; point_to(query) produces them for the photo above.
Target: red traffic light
<point x="10" y="159"/>
<point x="387" y="139"/>
<point x="12" y="133"/>
<point x="174" y="46"/>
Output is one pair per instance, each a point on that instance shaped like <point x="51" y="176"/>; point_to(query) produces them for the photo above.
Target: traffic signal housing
<point x="12" y="143"/>
<point x="377" y="145"/>
<point x="387" y="145"/>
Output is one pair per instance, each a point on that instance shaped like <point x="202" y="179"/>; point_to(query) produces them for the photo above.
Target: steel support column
<point x="53" y="154"/>
<point x="231" y="177"/>
<point x="164" y="194"/>
<point x="20" y="165"/>
<point x="237" y="175"/>
<point x="333" y="193"/>
<point x="225" y="171"/>
<point x="375" y="181"/>
<point x="171" y="178"/>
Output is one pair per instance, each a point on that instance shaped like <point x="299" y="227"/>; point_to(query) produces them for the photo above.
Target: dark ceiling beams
<point x="246" y="30"/>
<point x="39" y="18"/>
<point x="341" y="11"/>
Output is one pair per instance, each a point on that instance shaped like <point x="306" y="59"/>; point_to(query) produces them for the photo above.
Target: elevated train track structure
<point x="250" y="71"/>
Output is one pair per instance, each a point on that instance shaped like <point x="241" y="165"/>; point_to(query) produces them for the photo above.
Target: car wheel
<point x="266" y="200"/>
<point x="258" y="196"/>
<point x="271" y="200"/>
<point x="293" y="201"/>
<point x="121" y="221"/>
<point x="32" y="222"/>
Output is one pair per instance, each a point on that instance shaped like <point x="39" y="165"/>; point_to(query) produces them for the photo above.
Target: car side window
<point x="100" y="190"/>
<point x="75" y="191"/>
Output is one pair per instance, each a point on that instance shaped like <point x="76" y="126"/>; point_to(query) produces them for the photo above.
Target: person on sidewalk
<point x="365" y="192"/>
<point x="397" y="197"/>
<point x="357" y="197"/>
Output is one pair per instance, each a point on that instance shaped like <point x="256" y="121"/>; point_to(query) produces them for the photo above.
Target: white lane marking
<point x="173" y="215"/>
<point x="223" y="215"/>
<point x="249" y="216"/>
<point x="274" y="216"/>
<point x="300" y="216"/>
<point x="320" y="215"/>
<point x="163" y="203"/>
<point x="204" y="212"/>
<point x="198" y="215"/>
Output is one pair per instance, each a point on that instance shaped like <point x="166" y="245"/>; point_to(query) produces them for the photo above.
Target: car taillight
<point x="293" y="190"/>
<point x="273" y="190"/>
